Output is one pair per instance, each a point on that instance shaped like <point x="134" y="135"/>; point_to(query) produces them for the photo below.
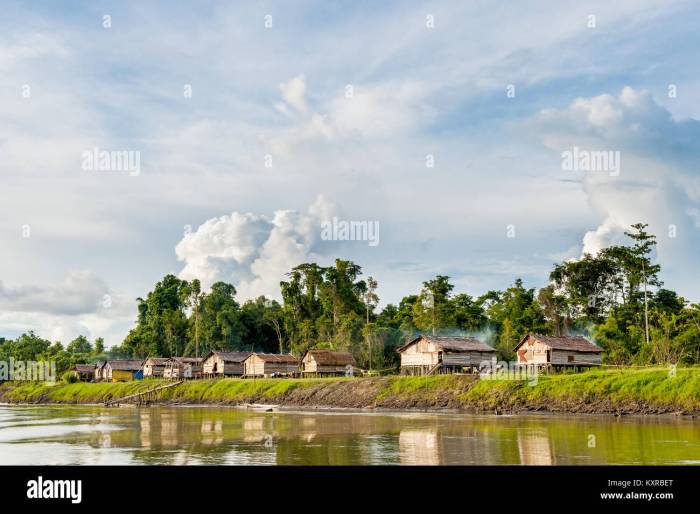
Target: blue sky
<point x="205" y="204"/>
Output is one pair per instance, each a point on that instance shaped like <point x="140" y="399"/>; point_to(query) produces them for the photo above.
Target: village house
<point x="270" y="365"/>
<point x="558" y="351"/>
<point x="426" y="355"/>
<point x="99" y="371"/>
<point x="122" y="370"/>
<point x="183" y="367"/>
<point x="85" y="372"/>
<point x="154" y="367"/>
<point x="219" y="364"/>
<point x="322" y="362"/>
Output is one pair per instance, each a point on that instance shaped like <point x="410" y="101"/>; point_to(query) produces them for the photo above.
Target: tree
<point x="99" y="346"/>
<point x="433" y="310"/>
<point x="371" y="300"/>
<point x="191" y="294"/>
<point x="79" y="345"/>
<point x="641" y="269"/>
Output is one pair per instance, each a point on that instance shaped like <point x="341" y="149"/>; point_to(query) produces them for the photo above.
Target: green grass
<point x="654" y="386"/>
<point x="617" y="387"/>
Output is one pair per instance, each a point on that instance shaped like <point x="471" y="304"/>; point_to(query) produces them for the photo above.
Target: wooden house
<point x="177" y="368"/>
<point x="85" y="372"/>
<point x="270" y="365"/>
<point x="322" y="362"/>
<point x="558" y="351"/>
<point x="122" y="370"/>
<point x="154" y="367"/>
<point x="99" y="371"/>
<point x="219" y="364"/>
<point x="426" y="355"/>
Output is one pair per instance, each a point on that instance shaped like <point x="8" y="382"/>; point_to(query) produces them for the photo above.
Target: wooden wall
<point x="536" y="353"/>
<point x="422" y="353"/>
<point x="255" y="366"/>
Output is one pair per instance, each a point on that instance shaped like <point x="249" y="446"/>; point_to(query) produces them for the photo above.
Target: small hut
<point x="99" y="371"/>
<point x="558" y="351"/>
<point x="122" y="370"/>
<point x="322" y="362"/>
<point x="154" y="367"/>
<point x="270" y="365"/>
<point x="183" y="367"/>
<point x="426" y="355"/>
<point x="85" y="372"/>
<point x="219" y="364"/>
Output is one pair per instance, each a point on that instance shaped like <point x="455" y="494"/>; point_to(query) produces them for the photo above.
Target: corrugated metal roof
<point x="573" y="343"/>
<point x="452" y="344"/>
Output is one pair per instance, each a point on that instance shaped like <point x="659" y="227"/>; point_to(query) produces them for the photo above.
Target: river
<point x="49" y="434"/>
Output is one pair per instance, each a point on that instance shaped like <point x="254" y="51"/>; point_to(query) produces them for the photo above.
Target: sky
<point x="248" y="126"/>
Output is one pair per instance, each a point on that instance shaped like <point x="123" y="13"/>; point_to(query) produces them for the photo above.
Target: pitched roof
<point x="277" y="358"/>
<point x="125" y="365"/>
<point x="573" y="343"/>
<point x="326" y="357"/>
<point x="156" y="361"/>
<point x="452" y="344"/>
<point x="85" y="368"/>
<point x="235" y="357"/>
<point x="185" y="360"/>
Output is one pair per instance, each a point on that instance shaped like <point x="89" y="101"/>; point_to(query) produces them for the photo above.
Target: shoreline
<point x="305" y="409"/>
<point x="650" y="392"/>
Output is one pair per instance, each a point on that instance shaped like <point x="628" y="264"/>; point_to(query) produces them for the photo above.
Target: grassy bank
<point x="598" y="391"/>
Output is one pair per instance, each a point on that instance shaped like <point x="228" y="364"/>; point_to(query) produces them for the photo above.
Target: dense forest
<point x="616" y="298"/>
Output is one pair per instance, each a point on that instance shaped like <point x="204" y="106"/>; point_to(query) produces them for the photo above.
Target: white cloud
<point x="253" y="251"/>
<point x="658" y="172"/>
<point x="80" y="292"/>
<point x="293" y="93"/>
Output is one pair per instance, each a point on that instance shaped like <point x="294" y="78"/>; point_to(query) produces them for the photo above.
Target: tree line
<point x="615" y="298"/>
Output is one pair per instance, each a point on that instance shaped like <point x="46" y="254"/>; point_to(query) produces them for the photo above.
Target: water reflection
<point x="180" y="436"/>
<point x="534" y="448"/>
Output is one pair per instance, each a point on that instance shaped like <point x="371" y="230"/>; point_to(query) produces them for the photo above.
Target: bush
<point x="70" y="377"/>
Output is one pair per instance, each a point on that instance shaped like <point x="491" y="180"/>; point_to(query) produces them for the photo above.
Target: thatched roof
<point x="125" y="365"/>
<point x="326" y="357"/>
<point x="571" y="343"/>
<point x="277" y="358"/>
<point x="85" y="368"/>
<point x="230" y="357"/>
<point x="452" y="344"/>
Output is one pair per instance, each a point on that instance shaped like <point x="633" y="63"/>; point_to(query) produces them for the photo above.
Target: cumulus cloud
<point x="253" y="251"/>
<point x="369" y="111"/>
<point x="293" y="93"/>
<point x="81" y="292"/>
<point x="658" y="180"/>
<point x="80" y="304"/>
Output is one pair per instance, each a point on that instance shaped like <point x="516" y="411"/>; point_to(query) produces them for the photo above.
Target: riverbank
<point x="619" y="391"/>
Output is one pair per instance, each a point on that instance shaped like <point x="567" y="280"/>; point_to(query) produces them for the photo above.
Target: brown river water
<point x="48" y="434"/>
